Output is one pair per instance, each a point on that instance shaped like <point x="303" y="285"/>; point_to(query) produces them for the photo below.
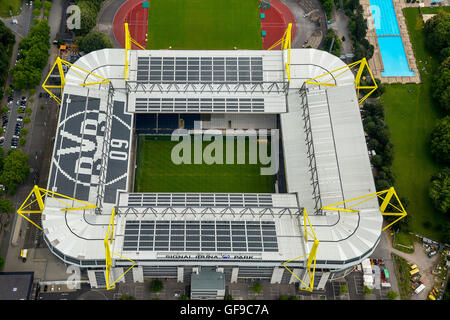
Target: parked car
<point x="19" y="119"/>
<point x="2" y="141"/>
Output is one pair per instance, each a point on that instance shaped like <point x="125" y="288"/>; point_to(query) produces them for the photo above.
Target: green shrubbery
<point x="337" y="44"/>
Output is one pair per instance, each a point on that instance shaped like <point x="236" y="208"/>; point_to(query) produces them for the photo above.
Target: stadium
<point x="104" y="210"/>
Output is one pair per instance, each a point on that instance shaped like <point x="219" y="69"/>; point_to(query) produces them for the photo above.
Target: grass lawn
<point x="404" y="242"/>
<point x="411" y="116"/>
<point x="204" y="24"/>
<point x="13" y="5"/>
<point x="157" y="173"/>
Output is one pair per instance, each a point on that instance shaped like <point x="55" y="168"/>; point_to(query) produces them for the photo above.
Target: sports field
<point x="157" y="173"/>
<point x="204" y="24"/>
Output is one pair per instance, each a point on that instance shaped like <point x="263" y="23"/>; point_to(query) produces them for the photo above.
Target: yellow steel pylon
<point x="128" y="41"/>
<point x="59" y="63"/>
<point x="362" y="63"/>
<point x="388" y="194"/>
<point x="311" y="256"/>
<point x="39" y="194"/>
<point x="285" y="42"/>
<point x="108" y="254"/>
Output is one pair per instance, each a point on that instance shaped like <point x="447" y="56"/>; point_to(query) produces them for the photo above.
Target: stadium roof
<point x="83" y="168"/>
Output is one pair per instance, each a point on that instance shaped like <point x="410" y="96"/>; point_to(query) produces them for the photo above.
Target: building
<point x="324" y="160"/>
<point x="16" y="285"/>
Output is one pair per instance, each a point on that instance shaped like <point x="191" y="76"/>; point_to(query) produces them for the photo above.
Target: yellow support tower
<point x="362" y="64"/>
<point x="311" y="261"/>
<point x="39" y="194"/>
<point x="128" y="41"/>
<point x="285" y="42"/>
<point x="59" y="63"/>
<point x="385" y="195"/>
<point x="110" y="283"/>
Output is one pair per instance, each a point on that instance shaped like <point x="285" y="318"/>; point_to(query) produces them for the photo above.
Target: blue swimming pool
<point x="394" y="57"/>
<point x="384" y="18"/>
<point x="389" y="39"/>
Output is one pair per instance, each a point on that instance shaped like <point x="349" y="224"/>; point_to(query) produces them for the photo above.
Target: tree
<point x="2" y="263"/>
<point x="441" y="85"/>
<point x="439" y="190"/>
<point x="6" y="206"/>
<point x="4" y="110"/>
<point x="22" y="142"/>
<point x="228" y="297"/>
<point x="257" y="287"/>
<point x="437" y="31"/>
<point x="48" y="5"/>
<point x="88" y="17"/>
<point x="156" y="285"/>
<point x="440" y="141"/>
<point x="15" y="169"/>
<point x="392" y="295"/>
<point x="344" y="289"/>
<point x="283" y="297"/>
<point x="358" y="27"/>
<point x="93" y="41"/>
<point x="367" y="290"/>
<point x="327" y="6"/>
<point x="377" y="160"/>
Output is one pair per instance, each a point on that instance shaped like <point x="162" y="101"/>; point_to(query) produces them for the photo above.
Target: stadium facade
<point x="245" y="236"/>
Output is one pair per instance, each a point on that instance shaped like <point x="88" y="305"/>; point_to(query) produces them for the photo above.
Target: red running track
<point x="136" y="16"/>
<point x="276" y="22"/>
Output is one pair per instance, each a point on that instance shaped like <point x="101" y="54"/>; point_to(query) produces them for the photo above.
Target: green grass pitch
<point x="156" y="172"/>
<point x="204" y="24"/>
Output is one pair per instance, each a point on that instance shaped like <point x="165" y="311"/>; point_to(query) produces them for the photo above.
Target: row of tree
<point x="358" y="29"/>
<point x="7" y="40"/>
<point x="34" y="52"/>
<point x="437" y="31"/>
<point x="379" y="141"/>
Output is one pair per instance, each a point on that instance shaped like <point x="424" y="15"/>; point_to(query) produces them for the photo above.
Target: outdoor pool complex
<point x="389" y="39"/>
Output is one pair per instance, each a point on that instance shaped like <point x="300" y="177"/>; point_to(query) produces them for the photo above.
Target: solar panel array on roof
<point x="200" y="69"/>
<point x="199" y="199"/>
<point x="193" y="235"/>
<point x="199" y="105"/>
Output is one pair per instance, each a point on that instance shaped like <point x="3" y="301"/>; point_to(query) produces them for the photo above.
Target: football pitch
<point x="156" y="172"/>
<point x="204" y="24"/>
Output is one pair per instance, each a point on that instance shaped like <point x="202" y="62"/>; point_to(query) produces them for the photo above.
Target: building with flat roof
<point x="324" y="160"/>
<point x="16" y="285"/>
